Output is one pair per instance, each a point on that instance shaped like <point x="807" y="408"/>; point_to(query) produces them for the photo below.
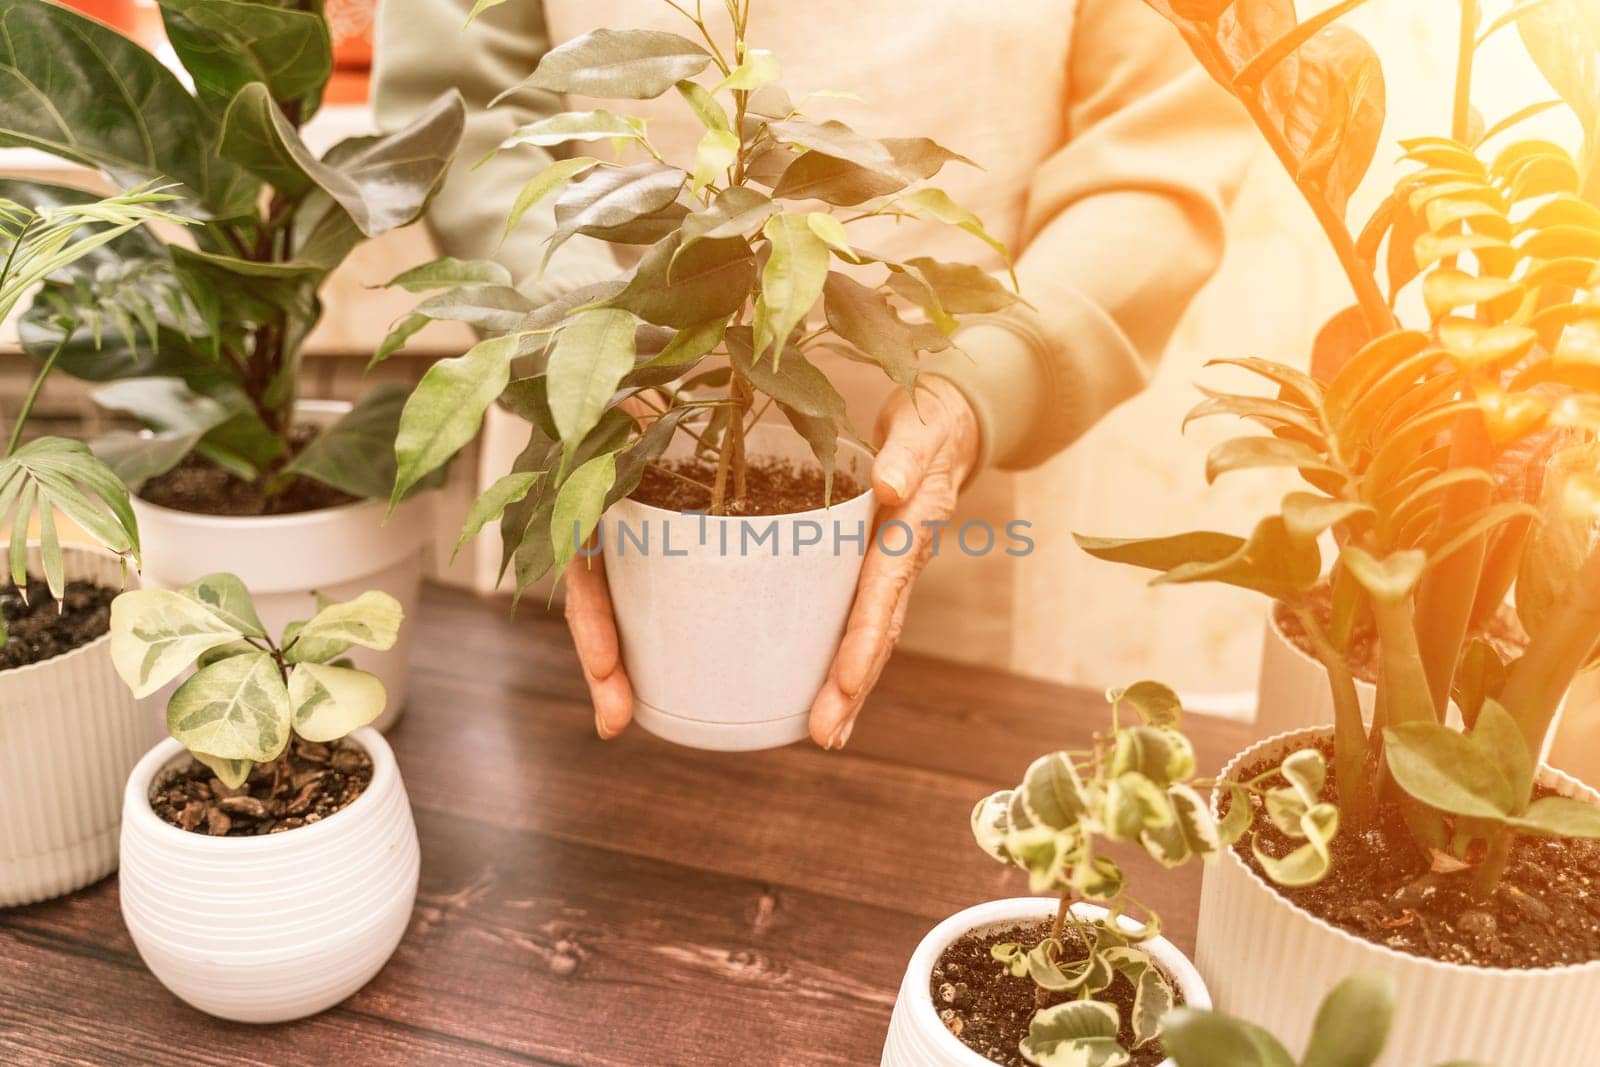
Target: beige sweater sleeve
<point x="423" y="50"/>
<point x="1123" y="227"/>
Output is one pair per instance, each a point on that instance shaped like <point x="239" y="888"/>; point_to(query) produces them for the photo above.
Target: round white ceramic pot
<point x="267" y="929"/>
<point x="69" y="734"/>
<point x="917" y="1036"/>
<point x="285" y="560"/>
<point x="1272" y="963"/>
<point x="729" y="625"/>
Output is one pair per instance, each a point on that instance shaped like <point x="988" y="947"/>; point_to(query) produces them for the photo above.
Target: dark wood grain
<point x="626" y="903"/>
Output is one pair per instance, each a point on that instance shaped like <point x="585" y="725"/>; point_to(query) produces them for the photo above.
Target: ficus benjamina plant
<point x="211" y="322"/>
<point x="1136" y="785"/>
<point x="250" y="692"/>
<point x="1351" y="1029"/>
<point x="714" y="326"/>
<point x="1452" y="462"/>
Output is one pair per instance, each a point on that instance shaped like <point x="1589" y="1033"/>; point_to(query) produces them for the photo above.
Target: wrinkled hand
<point x="927" y="452"/>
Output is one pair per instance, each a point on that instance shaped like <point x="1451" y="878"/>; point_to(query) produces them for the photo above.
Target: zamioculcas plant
<point x="250" y="694"/>
<point x="214" y="324"/>
<point x="44" y="231"/>
<point x="1453" y="461"/>
<point x="1135" y="785"/>
<point x="713" y="327"/>
<point x="1351" y="1030"/>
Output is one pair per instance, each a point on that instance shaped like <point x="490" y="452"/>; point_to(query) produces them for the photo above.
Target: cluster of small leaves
<point x="1136" y="784"/>
<point x="220" y="316"/>
<point x="1351" y="1029"/>
<point x="250" y="693"/>
<point x="740" y="246"/>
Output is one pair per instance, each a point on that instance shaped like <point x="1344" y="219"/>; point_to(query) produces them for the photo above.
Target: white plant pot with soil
<point x="69" y="734"/>
<point x="285" y="560"/>
<point x="919" y="1038"/>
<point x="276" y="927"/>
<point x="1270" y="962"/>
<point x="729" y="624"/>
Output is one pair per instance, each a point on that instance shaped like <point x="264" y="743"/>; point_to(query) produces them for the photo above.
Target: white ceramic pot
<point x="729" y="625"/>
<point x="69" y="734"/>
<point x="1270" y="962"/>
<point x="286" y="559"/>
<point x="1293" y="693"/>
<point x="267" y="929"/>
<point x="917" y="1036"/>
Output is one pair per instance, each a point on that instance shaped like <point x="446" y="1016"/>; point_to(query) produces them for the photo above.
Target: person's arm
<point x="423" y="48"/>
<point x="1123" y="227"/>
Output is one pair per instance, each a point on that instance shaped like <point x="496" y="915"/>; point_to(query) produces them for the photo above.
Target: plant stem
<point x="1349" y="732"/>
<point x="1057" y="925"/>
<point x="1563" y="645"/>
<point x="33" y="393"/>
<point x="1487" y="877"/>
<point x="1461" y="111"/>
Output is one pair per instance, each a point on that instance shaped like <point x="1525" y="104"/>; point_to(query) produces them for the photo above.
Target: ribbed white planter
<point x="286" y="559"/>
<point x="1270" y="962"/>
<point x="69" y="734"/>
<point x="267" y="929"/>
<point x="729" y="625"/>
<point x="917" y="1036"/>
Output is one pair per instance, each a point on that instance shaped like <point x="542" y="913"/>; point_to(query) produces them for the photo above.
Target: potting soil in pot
<point x="773" y="487"/>
<point x="1545" y="913"/>
<point x="989" y="1009"/>
<point x="308" y="783"/>
<point x="40" y="630"/>
<point x="199" y="486"/>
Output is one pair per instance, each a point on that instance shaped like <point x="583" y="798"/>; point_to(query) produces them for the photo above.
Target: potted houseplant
<point x="235" y="473"/>
<point x="269" y="856"/>
<point x="1072" y="977"/>
<point x="645" y="395"/>
<point x="71" y="735"/>
<point x="1453" y="464"/>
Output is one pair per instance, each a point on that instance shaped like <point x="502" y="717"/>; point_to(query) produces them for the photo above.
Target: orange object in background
<point x="123" y="14"/>
<point x="350" y="22"/>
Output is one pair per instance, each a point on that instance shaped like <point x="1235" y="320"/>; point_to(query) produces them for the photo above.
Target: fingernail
<point x="600" y="726"/>
<point x="841" y="736"/>
<point x="895" y="481"/>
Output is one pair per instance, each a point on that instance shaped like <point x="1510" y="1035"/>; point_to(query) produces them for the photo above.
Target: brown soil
<point x="199" y="486"/>
<point x="773" y="487"/>
<point x="306" y="784"/>
<point x="989" y="1009"/>
<point x="40" y="629"/>
<point x="1545" y="913"/>
<point x="1504" y="632"/>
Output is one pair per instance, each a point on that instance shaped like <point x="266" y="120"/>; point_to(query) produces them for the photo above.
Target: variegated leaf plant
<point x="1136" y="785"/>
<point x="250" y="693"/>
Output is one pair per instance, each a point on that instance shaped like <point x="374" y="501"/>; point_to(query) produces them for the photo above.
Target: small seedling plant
<point x="1351" y="1029"/>
<point x="1135" y="785"/>
<point x="213" y="321"/>
<point x="44" y="231"/>
<point x="716" y="325"/>
<point x="250" y="692"/>
<point x="1452" y="462"/>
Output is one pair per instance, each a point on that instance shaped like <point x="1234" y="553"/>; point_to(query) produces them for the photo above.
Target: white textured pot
<point x="285" y="559"/>
<point x="1270" y="962"/>
<point x="69" y="734"/>
<point x="729" y="625"/>
<point x="917" y="1036"/>
<point x="267" y="929"/>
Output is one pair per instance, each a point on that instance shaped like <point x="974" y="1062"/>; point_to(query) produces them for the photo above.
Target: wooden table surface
<point x="627" y="903"/>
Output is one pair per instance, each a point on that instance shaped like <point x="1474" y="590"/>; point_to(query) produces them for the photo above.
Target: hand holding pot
<point x="927" y="453"/>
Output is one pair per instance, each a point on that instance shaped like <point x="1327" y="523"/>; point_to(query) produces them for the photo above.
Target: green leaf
<point x="1310" y="862"/>
<point x="1270" y="562"/>
<point x="796" y="383"/>
<point x="837" y="140"/>
<point x="760" y="67"/>
<point x="227" y="44"/>
<point x="947" y="289"/>
<point x="598" y="125"/>
<point x="822" y="435"/>
<point x="236" y="709"/>
<point x="791" y="281"/>
<point x="710" y="279"/>
<point x="715" y="154"/>
<point x="591" y="354"/>
<point x="736" y="212"/>
<point x="619" y="64"/>
<point x="543" y="184"/>
<point x="819" y="176"/>
<point x="705" y="107"/>
<point x="226" y="597"/>
<point x="1052" y="794"/>
<point x="55" y="474"/>
<point x="446" y="409"/>
<point x="1160" y="753"/>
<point x="1248" y="453"/>
<point x="1306" y="771"/>
<point x="1196" y="1038"/>
<point x="991" y="824"/>
<point x="1162" y="553"/>
<point x="1352" y="1025"/>
<point x="1500" y="739"/>
<point x="447" y="272"/>
<point x="688" y="346"/>
<point x="1559" y="817"/>
<point x="1077" y="1033"/>
<point x="608" y="199"/>
<point x="77" y="89"/>
<point x="1152" y="996"/>
<point x="1447" y="771"/>
<point x="330" y="702"/>
<point x="1154" y="703"/>
<point x="1133" y="805"/>
<point x="1193" y="832"/>
<point x="936" y="204"/>
<point x="1236" y="823"/>
<point x="1390" y="579"/>
<point x="372" y="620"/>
<point x="578" y="506"/>
<point x="356" y="453"/>
<point x="231" y="772"/>
<point x="492" y="503"/>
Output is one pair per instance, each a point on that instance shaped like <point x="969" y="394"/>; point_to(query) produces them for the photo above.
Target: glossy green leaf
<point x="791" y="282"/>
<point x="619" y="64"/>
<point x="598" y="125"/>
<point x="578" y="506"/>
<point x="1498" y="737"/>
<point x="492" y="503"/>
<point x="1077" y="1033"/>
<point x="1196" y="1038"/>
<point x="372" y="620"/>
<point x="330" y="702"/>
<point x="590" y="356"/>
<point x="1309" y="863"/>
<point x="1052" y="793"/>
<point x="543" y="184"/>
<point x="447" y="272"/>
<point x="446" y="409"/>
<point x="227" y="44"/>
<point x="710" y="279"/>
<point x="1445" y="770"/>
<point x="760" y="67"/>
<point x="55" y="474"/>
<point x="608" y="199"/>
<point x="795" y="383"/>
<point x="226" y="597"/>
<point x="948" y="289"/>
<point x="1352" y="1024"/>
<point x="1253" y="453"/>
<point x="936" y="204"/>
<point x="356" y="453"/>
<point x="715" y="154"/>
<point x="1559" y="817"/>
<point x="738" y="211"/>
<point x="237" y="709"/>
<point x="230" y="772"/>
<point x="1155" y="704"/>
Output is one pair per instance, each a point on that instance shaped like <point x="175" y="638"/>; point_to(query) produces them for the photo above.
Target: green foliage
<point x="737" y="264"/>
<point x="226" y="313"/>
<point x="248" y="694"/>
